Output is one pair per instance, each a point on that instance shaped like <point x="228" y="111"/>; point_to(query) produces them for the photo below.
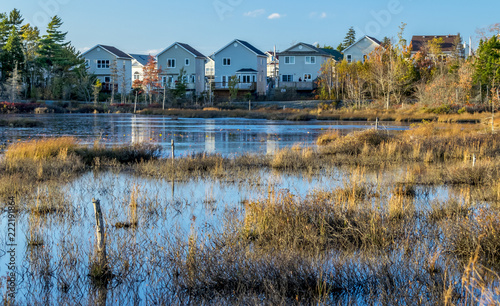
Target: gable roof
<point x="186" y="47"/>
<point x="141" y="58"/>
<point x="420" y="41"/>
<point x="374" y="40"/>
<point x="113" y="50"/>
<point x="246" y="45"/>
<point x="314" y="51"/>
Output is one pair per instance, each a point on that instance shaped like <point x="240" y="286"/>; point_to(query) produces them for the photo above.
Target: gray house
<point x="247" y="63"/>
<point x="100" y="61"/>
<point x="300" y="65"/>
<point x="180" y="56"/>
<point x="360" y="50"/>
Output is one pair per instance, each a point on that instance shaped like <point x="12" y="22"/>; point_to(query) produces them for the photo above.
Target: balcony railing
<point x="299" y="85"/>
<point x="243" y="86"/>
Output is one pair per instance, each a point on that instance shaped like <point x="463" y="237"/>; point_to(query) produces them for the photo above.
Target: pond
<point x="54" y="250"/>
<point x="222" y="135"/>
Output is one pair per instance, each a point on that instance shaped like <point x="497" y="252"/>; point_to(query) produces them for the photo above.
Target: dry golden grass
<point x="41" y="149"/>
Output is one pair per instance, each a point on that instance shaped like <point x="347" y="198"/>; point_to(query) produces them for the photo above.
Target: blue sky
<point x="150" y="26"/>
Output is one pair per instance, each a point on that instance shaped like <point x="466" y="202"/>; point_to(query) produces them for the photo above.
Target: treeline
<point x="391" y="75"/>
<point x="36" y="66"/>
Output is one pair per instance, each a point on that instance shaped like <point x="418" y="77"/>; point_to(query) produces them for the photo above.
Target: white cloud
<point x="84" y="49"/>
<point x="275" y="16"/>
<point x="317" y="15"/>
<point x="255" y="13"/>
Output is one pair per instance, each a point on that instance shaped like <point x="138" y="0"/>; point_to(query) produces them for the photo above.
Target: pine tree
<point x="12" y="53"/>
<point x="349" y="39"/>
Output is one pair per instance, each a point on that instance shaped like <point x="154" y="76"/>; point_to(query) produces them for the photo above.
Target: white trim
<point x="302" y="44"/>
<point x="89" y="50"/>
<point x="178" y="44"/>
<point x="238" y="41"/>
<point x="366" y="36"/>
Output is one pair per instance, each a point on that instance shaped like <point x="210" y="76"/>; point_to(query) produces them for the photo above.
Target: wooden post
<point x="473" y="160"/>
<point x="249" y="105"/>
<point x="100" y="235"/>
<point x="173" y="150"/>
<point x="376" y="124"/>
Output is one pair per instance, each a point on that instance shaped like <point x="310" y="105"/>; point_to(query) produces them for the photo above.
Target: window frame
<point x="291" y="60"/>
<point x="226" y="61"/>
<point x="312" y="60"/>
<point x="348" y="58"/>
<point x="102" y="64"/>
<point x="171" y="62"/>
<point x="187" y="62"/>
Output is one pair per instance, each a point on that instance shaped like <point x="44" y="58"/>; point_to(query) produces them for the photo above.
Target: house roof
<point x="116" y="51"/>
<point x="113" y="50"/>
<point x="247" y="70"/>
<point x="374" y="40"/>
<point x="141" y="58"/>
<point x="245" y="44"/>
<point x="186" y="47"/>
<point x="314" y="51"/>
<point x="420" y="41"/>
<point x="336" y="54"/>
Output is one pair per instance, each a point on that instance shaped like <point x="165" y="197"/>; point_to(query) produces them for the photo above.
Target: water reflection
<point x="223" y="135"/>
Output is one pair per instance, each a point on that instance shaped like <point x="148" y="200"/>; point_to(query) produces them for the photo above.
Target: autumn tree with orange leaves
<point x="151" y="78"/>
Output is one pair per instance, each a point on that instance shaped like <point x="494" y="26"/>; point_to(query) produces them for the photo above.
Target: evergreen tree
<point x="52" y="44"/>
<point x="12" y="53"/>
<point x="487" y="64"/>
<point x="349" y="39"/>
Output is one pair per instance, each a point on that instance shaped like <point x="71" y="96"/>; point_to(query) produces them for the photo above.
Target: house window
<point x="365" y="58"/>
<point x="349" y="58"/>
<point x="87" y="63"/>
<point x="287" y="78"/>
<point x="254" y="78"/>
<point x="245" y="79"/>
<point x="171" y="63"/>
<point x="186" y="62"/>
<point x="289" y="59"/>
<point x="102" y="64"/>
<point x="310" y="59"/>
<point x="226" y="61"/>
<point x="224" y="81"/>
<point x="193" y="78"/>
<point x="137" y="75"/>
<point x="307" y="77"/>
<point x="163" y="81"/>
<point x="107" y="79"/>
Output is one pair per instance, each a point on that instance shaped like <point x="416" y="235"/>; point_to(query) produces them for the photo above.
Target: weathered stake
<point x="376" y="124"/>
<point x="100" y="234"/>
<point x="173" y="150"/>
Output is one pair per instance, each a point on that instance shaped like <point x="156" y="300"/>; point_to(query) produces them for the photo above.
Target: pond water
<point x="224" y="136"/>
<point x="57" y="268"/>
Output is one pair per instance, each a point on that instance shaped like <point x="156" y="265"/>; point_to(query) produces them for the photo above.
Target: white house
<point x="360" y="50"/>
<point x="138" y="63"/>
<point x="273" y="64"/>
<point x="300" y="65"/>
<point x="247" y="63"/>
<point x="100" y="61"/>
<point x="180" y="56"/>
<point x="209" y="67"/>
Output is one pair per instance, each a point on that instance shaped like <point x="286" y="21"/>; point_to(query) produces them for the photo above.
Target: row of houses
<point x="256" y="71"/>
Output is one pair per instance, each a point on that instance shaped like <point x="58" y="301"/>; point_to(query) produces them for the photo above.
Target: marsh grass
<point x="20" y="122"/>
